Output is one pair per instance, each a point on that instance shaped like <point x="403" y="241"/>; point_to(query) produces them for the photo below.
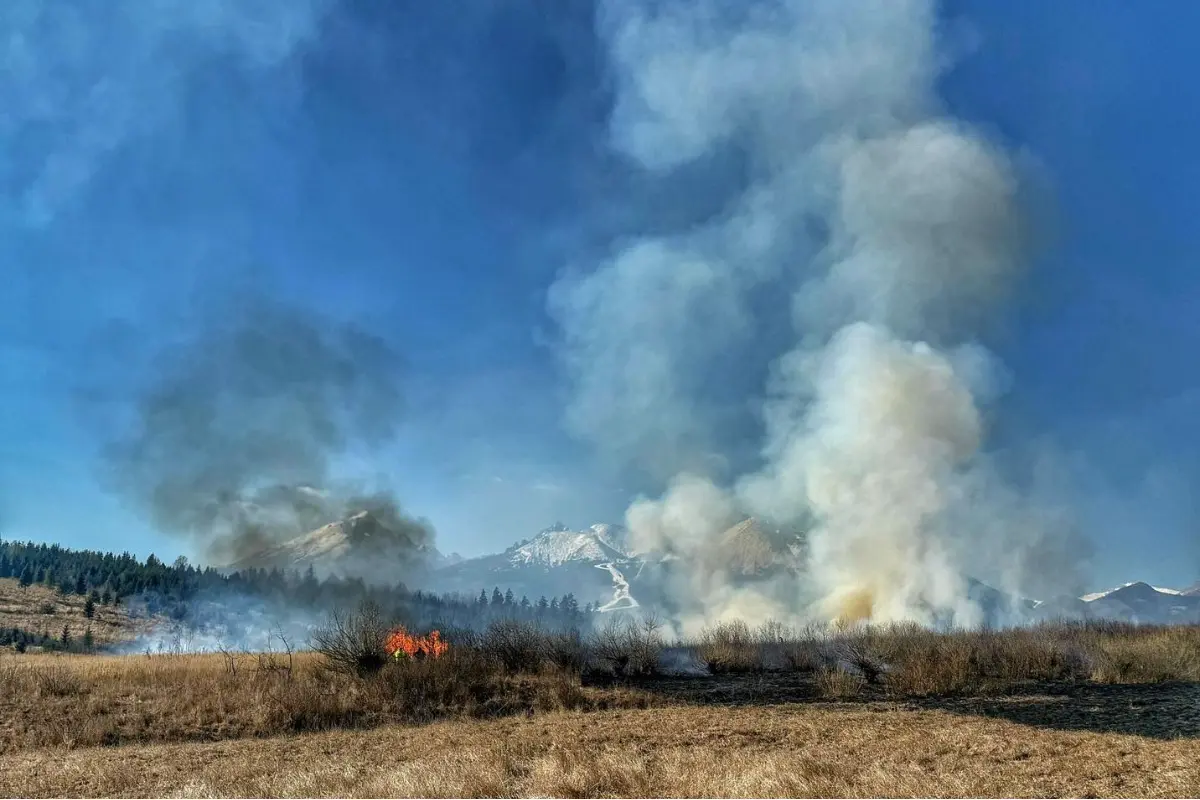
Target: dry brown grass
<point x="780" y="751"/>
<point x="76" y="701"/>
<point x="26" y="609"/>
<point x="909" y="661"/>
<point x="246" y="725"/>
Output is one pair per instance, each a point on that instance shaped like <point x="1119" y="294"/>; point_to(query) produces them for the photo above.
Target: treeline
<point x="153" y="587"/>
<point x="20" y="639"/>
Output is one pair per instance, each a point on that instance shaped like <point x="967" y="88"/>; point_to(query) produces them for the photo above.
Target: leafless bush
<point x="729" y="647"/>
<point x="646" y="643"/>
<point x="353" y="642"/>
<point x="277" y="662"/>
<point x="231" y="658"/>
<point x="458" y="636"/>
<point x="565" y="650"/>
<point x="517" y="645"/>
<point x="807" y="651"/>
<point x="627" y="647"/>
<point x="858" y="656"/>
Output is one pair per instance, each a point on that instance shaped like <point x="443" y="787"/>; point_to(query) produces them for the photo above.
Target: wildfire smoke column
<point x="894" y="230"/>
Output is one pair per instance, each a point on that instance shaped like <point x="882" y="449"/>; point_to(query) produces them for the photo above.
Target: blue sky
<point x="427" y="172"/>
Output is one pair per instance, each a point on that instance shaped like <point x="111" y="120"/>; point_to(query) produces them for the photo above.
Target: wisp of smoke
<point x="872" y="418"/>
<point x="88" y="79"/>
<point x="233" y="440"/>
<point x="224" y="621"/>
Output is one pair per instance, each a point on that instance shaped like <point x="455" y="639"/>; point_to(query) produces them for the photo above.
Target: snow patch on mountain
<point x="622" y="597"/>
<point x="1093" y="596"/>
<point x="558" y="545"/>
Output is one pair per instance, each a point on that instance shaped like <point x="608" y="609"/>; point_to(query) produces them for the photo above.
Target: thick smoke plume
<point x="892" y="231"/>
<point x="234" y="440"/>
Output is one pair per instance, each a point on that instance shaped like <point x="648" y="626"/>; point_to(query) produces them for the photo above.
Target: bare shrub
<point x="628" y="647"/>
<point x="280" y="661"/>
<point x="646" y="644"/>
<point x="458" y="636"/>
<point x="860" y="652"/>
<point x="462" y="680"/>
<point x="609" y="647"/>
<point x="353" y="642"/>
<point x="729" y="647"/>
<point x="517" y="645"/>
<point x="565" y="650"/>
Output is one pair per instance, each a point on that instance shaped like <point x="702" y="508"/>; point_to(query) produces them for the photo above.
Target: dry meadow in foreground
<point x="751" y="751"/>
<point x="1105" y="710"/>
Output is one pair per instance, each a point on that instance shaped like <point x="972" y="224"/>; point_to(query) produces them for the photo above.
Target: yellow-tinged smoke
<point x="853" y="606"/>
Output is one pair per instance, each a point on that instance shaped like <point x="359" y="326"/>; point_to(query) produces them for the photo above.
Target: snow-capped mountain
<point x="593" y="564"/>
<point x="558" y="545"/>
<point x="598" y="565"/>
<point x="1141" y="602"/>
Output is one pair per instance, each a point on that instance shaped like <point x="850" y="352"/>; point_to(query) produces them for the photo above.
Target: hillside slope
<point x="39" y="609"/>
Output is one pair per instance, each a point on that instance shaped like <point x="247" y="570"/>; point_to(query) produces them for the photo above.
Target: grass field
<point x="1108" y="711"/>
<point x="682" y="751"/>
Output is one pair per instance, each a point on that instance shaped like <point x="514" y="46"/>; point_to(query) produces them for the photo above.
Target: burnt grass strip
<point x="1167" y="710"/>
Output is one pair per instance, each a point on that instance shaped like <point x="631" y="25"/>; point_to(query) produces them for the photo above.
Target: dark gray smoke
<point x="235" y="437"/>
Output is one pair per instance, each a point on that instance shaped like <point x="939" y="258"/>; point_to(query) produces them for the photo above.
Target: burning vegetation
<point x="402" y="644"/>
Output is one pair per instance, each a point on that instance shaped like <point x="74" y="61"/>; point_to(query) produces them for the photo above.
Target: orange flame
<point x="402" y="643"/>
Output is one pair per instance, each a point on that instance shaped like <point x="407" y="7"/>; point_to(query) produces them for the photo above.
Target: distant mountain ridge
<point x="592" y="564"/>
<point x="360" y="544"/>
<point x="1141" y="602"/>
<point x="598" y="565"/>
<point x="558" y="545"/>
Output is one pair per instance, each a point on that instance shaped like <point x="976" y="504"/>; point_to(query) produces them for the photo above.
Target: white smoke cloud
<point x="685" y="522"/>
<point x="873" y="413"/>
<point x="638" y="332"/>
<point x="874" y="460"/>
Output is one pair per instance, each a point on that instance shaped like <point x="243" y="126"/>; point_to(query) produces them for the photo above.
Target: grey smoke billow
<point x="873" y="416"/>
<point x="91" y="78"/>
<point x="233" y="440"/>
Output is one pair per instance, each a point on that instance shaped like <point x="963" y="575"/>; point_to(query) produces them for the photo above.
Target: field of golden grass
<point x="58" y="700"/>
<point x="1099" y="710"/>
<point x="789" y="750"/>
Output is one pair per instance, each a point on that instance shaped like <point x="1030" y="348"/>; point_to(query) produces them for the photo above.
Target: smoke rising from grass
<point x="873" y="418"/>
<point x="234" y="440"/>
